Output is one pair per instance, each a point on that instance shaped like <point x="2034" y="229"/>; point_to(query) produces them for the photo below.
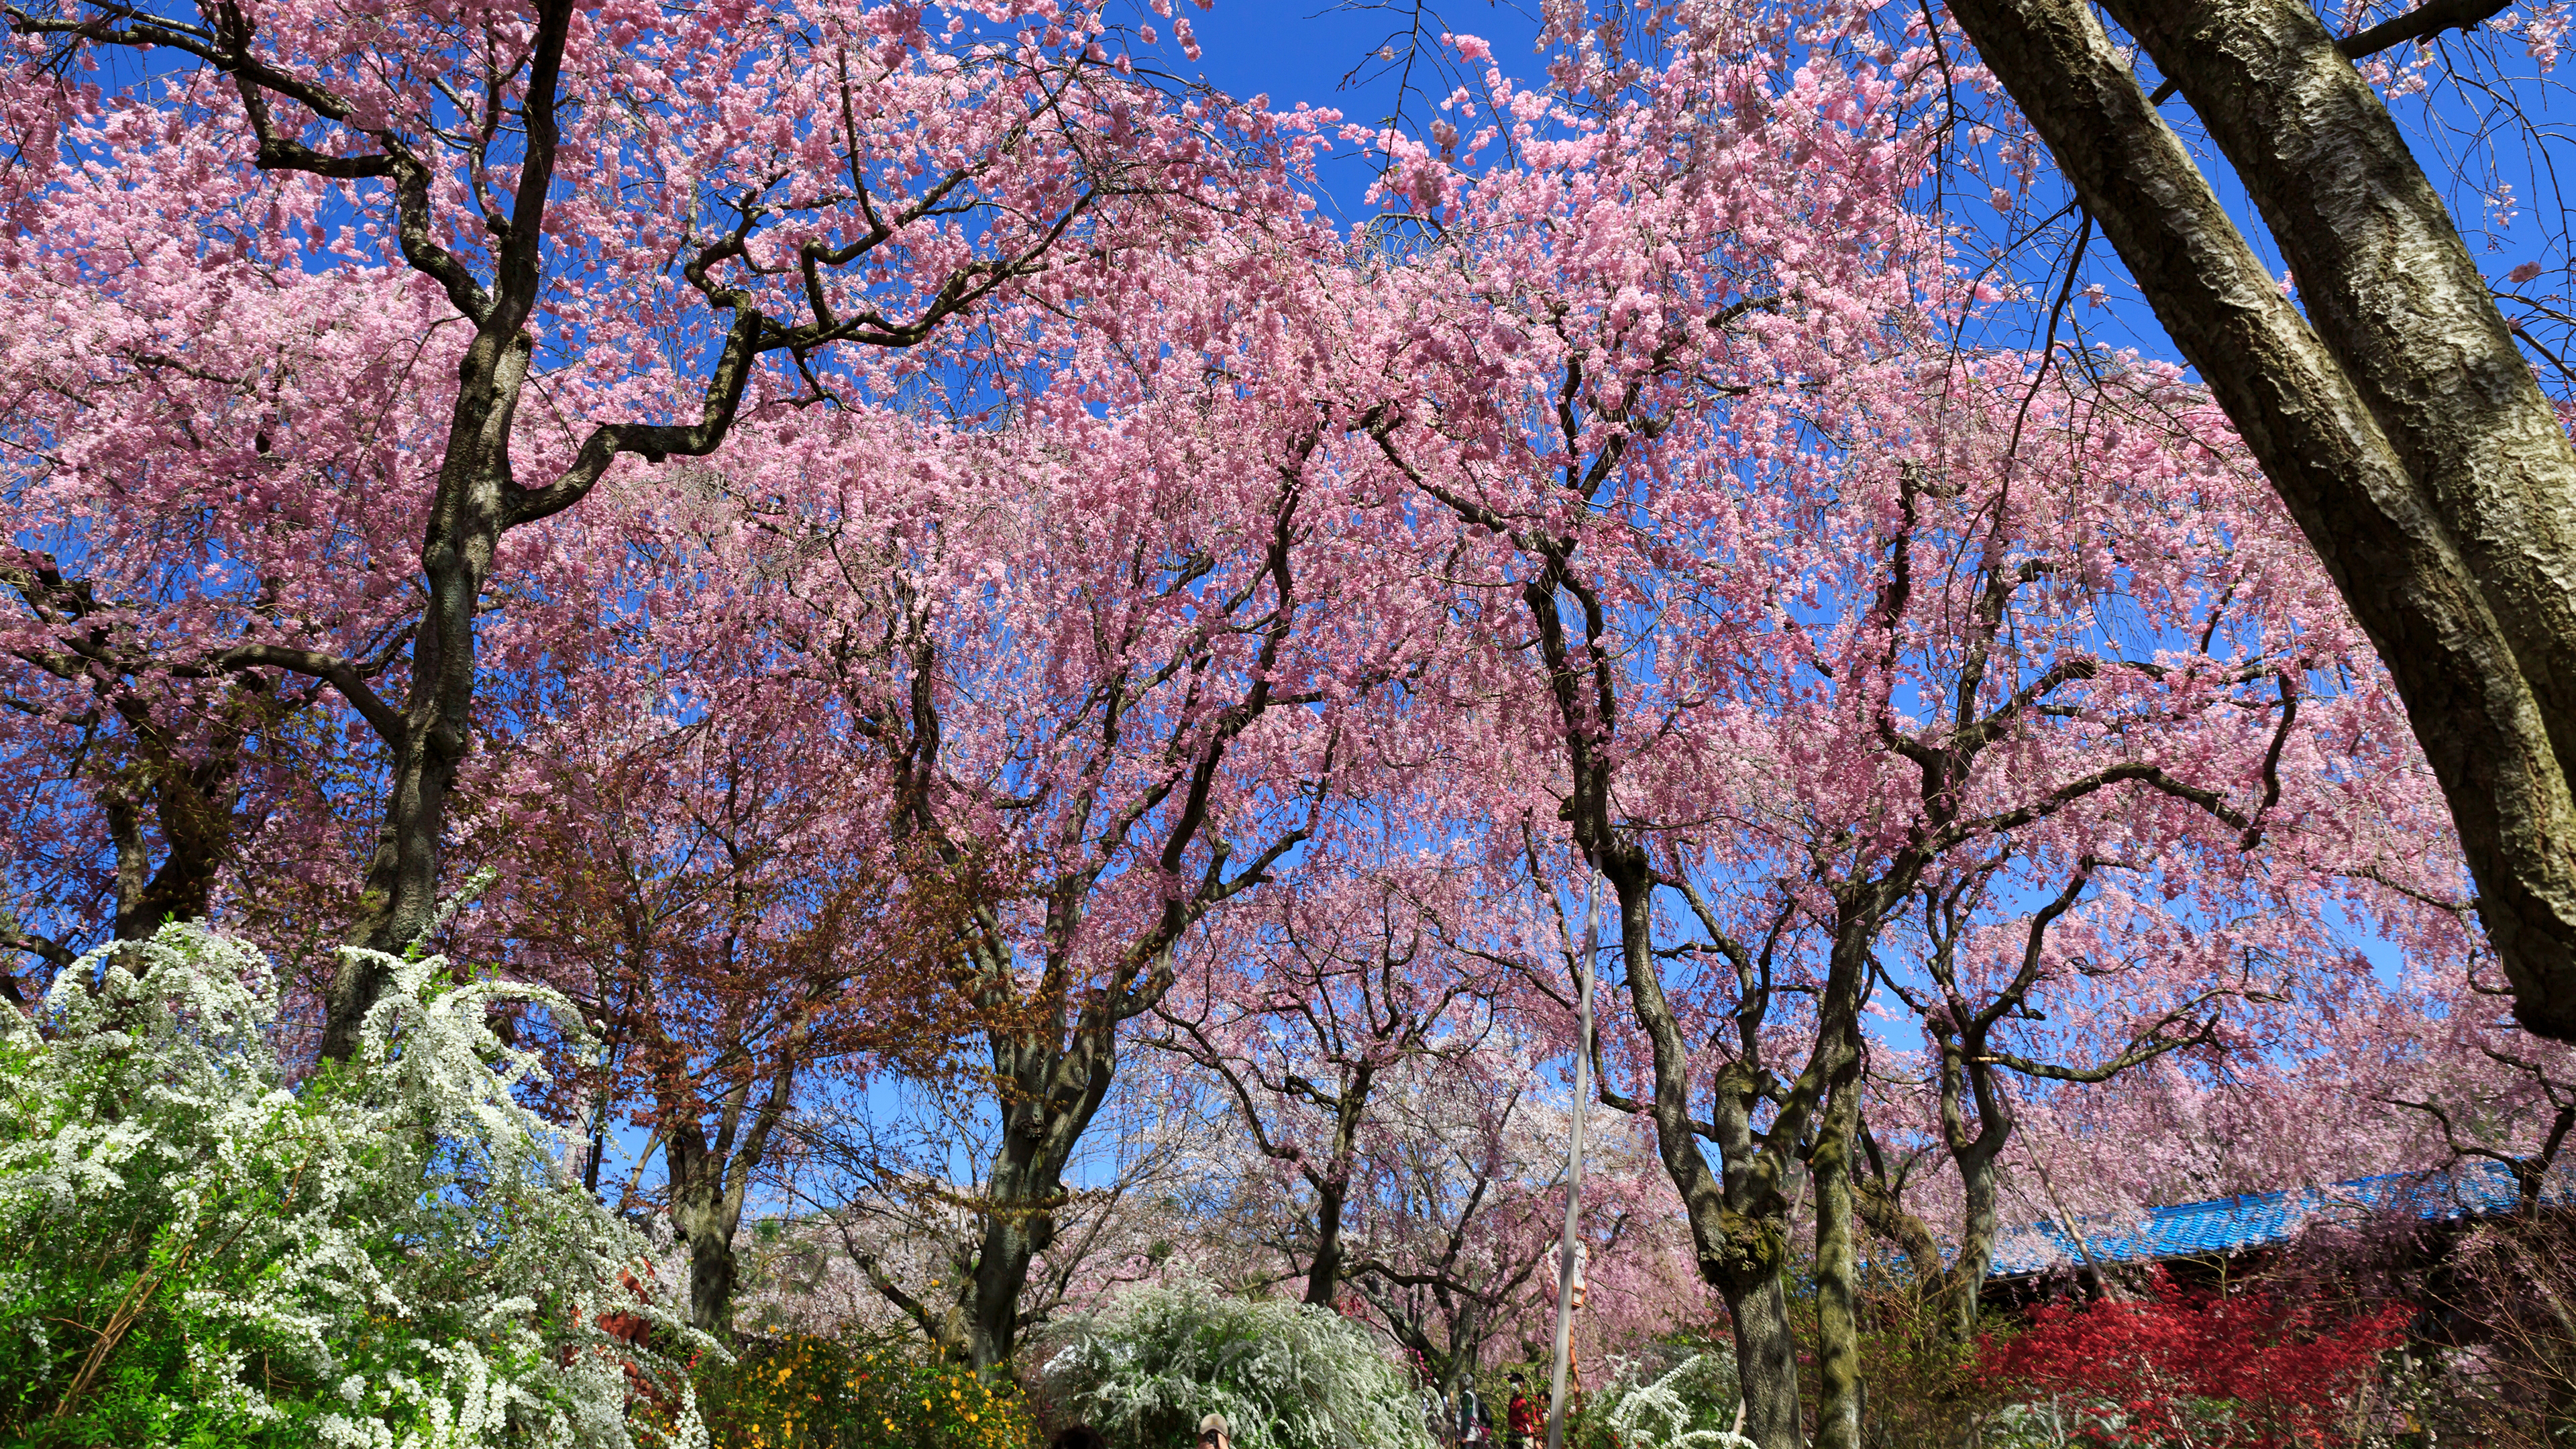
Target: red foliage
<point x="2168" y="1371"/>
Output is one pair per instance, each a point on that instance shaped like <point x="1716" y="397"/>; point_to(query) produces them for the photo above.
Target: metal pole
<point x="1574" y="1159"/>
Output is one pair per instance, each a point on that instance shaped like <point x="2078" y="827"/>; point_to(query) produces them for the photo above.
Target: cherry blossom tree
<point x="2392" y="404"/>
<point x="1814" y="621"/>
<point x="664" y="222"/>
<point x="691" y="888"/>
<point x="1569" y="345"/>
<point x="173" y="501"/>
<point x="1459" y="1208"/>
<point x="2405" y="400"/>
<point x="882" y="1172"/>
<point x="1308" y="1007"/>
<point x="1111" y="667"/>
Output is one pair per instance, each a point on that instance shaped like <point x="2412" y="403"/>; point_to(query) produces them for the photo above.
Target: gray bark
<point x="2402" y="428"/>
<point x="706" y="1209"/>
<point x="1738" y="1216"/>
<point x="1838" y="1381"/>
<point x="1766" y="1358"/>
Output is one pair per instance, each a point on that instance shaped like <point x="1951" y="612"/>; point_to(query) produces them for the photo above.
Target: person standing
<point x="1215" y="1433"/>
<point x="1475" y="1426"/>
<point x="1520" y="1416"/>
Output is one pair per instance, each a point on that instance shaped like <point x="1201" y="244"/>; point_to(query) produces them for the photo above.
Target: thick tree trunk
<point x="1333" y="1185"/>
<point x="1981" y="1225"/>
<point x="1968" y="1075"/>
<point x="1324" y="1274"/>
<point x="1053" y="1094"/>
<point x="2403" y="430"/>
<point x="710" y="1175"/>
<point x="706" y="1212"/>
<point x="1737" y="1218"/>
<point x="1766" y="1359"/>
<point x="1019" y="1223"/>
<point x="709" y="1179"/>
<point x="1838" y="1385"/>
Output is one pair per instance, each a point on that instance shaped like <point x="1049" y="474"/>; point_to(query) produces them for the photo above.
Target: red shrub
<point x="2269" y="1375"/>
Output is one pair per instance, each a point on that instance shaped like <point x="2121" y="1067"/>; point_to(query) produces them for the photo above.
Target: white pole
<point x="1574" y="1160"/>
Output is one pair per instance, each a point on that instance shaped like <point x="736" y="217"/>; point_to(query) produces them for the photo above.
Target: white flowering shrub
<point x="194" y="1251"/>
<point x="1689" y="1406"/>
<point x="1285" y="1375"/>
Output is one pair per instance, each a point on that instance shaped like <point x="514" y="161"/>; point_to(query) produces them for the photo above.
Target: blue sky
<point x="1346" y="54"/>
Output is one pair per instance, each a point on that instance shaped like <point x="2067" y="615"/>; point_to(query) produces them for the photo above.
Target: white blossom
<point x="398" y="1236"/>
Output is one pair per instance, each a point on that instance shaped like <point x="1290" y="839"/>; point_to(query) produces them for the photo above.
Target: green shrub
<point x="809" y="1392"/>
<point x="1285" y="1375"/>
<point x="194" y="1252"/>
<point x="1649" y="1404"/>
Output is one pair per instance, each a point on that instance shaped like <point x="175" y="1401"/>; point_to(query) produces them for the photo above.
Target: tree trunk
<point x="1766" y="1360"/>
<point x="466" y="519"/>
<point x="706" y="1209"/>
<point x="1838" y="1386"/>
<point x="1324" y="1275"/>
<point x="1053" y="1093"/>
<point x="706" y="1213"/>
<point x="1019" y="1223"/>
<point x="1333" y="1184"/>
<point x="1881" y="1207"/>
<point x="2403" y="430"/>
<point x="709" y="1177"/>
<point x="1737" y="1218"/>
<point x="1982" y="1224"/>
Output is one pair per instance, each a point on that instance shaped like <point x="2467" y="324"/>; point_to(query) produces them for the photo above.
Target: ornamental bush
<point x="1285" y="1375"/>
<point x="1690" y="1405"/>
<point x="195" y="1251"/>
<point x="811" y="1392"/>
<point x="2194" y="1368"/>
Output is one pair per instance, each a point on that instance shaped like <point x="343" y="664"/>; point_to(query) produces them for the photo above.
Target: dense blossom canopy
<point x="909" y="560"/>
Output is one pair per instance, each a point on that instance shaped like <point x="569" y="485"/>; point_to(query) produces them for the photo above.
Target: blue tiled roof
<point x="2234" y="1224"/>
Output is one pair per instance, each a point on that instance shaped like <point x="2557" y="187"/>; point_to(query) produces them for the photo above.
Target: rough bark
<point x="1838" y="1381"/>
<point x="1332" y="1186"/>
<point x="706" y="1209"/>
<point x="1057" y="1094"/>
<point x="1766" y="1357"/>
<point x="1737" y="1215"/>
<point x="193" y="802"/>
<point x="1981" y="1224"/>
<point x="1324" y="1274"/>
<point x="2403" y="429"/>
